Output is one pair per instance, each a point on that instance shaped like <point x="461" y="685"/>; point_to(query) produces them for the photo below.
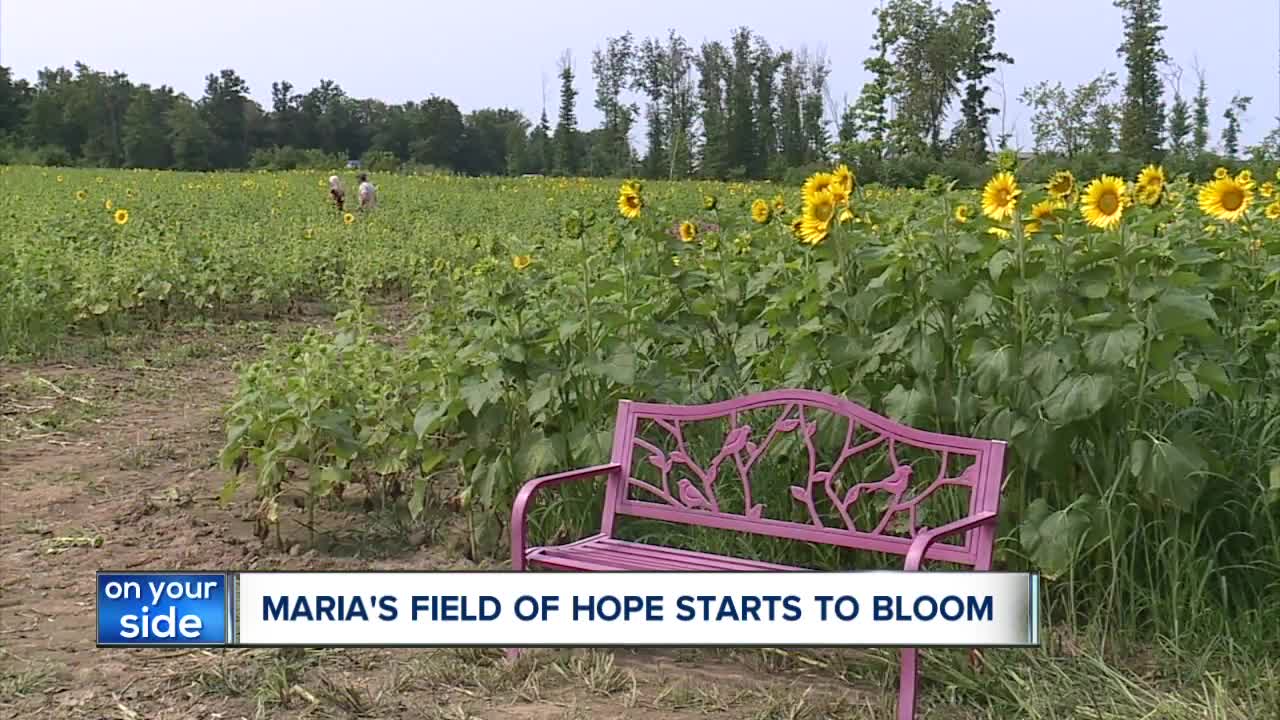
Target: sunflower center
<point x="633" y="201"/>
<point x="1232" y="199"/>
<point x="1109" y="202"/>
<point x="1002" y="196"/>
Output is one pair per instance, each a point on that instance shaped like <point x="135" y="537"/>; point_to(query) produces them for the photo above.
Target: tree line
<point x="741" y="109"/>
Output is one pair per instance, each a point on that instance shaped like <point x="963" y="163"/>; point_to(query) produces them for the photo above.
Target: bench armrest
<point x="923" y="541"/>
<point x="520" y="510"/>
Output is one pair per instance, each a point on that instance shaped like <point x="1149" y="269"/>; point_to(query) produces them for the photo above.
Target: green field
<point x="1134" y="369"/>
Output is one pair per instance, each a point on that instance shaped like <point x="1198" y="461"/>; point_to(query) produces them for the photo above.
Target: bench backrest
<point x="807" y="466"/>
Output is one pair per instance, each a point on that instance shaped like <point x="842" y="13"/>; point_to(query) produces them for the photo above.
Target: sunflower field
<point x="1123" y="334"/>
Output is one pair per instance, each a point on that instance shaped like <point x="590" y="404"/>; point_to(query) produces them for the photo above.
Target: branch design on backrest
<point x="699" y="493"/>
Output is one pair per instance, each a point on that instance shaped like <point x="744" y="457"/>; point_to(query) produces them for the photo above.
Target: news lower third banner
<point x="564" y="609"/>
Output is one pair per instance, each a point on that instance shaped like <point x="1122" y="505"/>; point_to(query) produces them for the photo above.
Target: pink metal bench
<point x="821" y="441"/>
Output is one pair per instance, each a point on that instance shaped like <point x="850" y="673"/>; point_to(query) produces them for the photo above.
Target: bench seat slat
<point x="602" y="554"/>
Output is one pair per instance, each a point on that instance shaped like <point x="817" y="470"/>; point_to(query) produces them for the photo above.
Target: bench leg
<point x="907" y="684"/>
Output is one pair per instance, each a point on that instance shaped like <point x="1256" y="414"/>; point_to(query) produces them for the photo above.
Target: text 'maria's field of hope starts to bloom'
<point x="502" y="609"/>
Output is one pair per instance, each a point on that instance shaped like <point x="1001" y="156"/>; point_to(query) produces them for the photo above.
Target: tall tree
<point x="790" y="126"/>
<point x="812" y="102"/>
<point x="223" y="109"/>
<point x="767" y="62"/>
<point x="742" y="145"/>
<point x="976" y="22"/>
<point x="1067" y="122"/>
<point x="613" y="68"/>
<point x="1179" y="117"/>
<point x="440" y="134"/>
<point x="713" y="67"/>
<point x="15" y="102"/>
<point x="1200" y="115"/>
<point x="567" y="145"/>
<point x="1238" y="106"/>
<point x="146" y="128"/>
<point x="1142" y="114"/>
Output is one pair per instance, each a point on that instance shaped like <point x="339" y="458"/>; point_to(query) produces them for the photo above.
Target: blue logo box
<point x="163" y="609"/>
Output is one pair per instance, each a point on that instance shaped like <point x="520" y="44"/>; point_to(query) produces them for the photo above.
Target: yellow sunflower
<point x="797" y="224"/>
<point x="1031" y="228"/>
<point x="1044" y="210"/>
<point x="121" y="216"/>
<point x="962" y="214"/>
<point x="81" y="195"/>
<point x="108" y="204"/>
<point x="760" y="211"/>
<point x="818" y="183"/>
<point x="779" y="204"/>
<point x="1104" y="202"/>
<point x="688" y="231"/>
<point x="60" y="178"/>
<point x="820" y="206"/>
<point x="348" y="218"/>
<point x="708" y="202"/>
<point x="813" y="230"/>
<point x="1000" y="196"/>
<point x="629" y="203"/>
<point x="1225" y="199"/>
<point x="846" y="215"/>
<point x="1267" y="189"/>
<point x="1245" y="178"/>
<point x="999" y="232"/>
<point x="1273" y="211"/>
<point x="844" y="178"/>
<point x="1220" y="173"/>
<point x="1150" y="184"/>
<point x="1062" y="184"/>
<point x="520" y="262"/>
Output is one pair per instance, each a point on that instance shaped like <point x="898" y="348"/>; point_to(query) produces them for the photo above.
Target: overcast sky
<point x="497" y="53"/>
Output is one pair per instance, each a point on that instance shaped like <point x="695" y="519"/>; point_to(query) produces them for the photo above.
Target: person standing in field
<point x="368" y="193"/>
<point x="336" y="191"/>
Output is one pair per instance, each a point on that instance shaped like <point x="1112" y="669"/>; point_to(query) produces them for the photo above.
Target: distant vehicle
<point x="353" y="164"/>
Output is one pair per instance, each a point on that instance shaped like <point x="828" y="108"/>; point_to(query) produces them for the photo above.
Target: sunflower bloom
<point x="797" y="224"/>
<point x="60" y="178"/>
<point x="81" y="195"/>
<point x="348" y="218"/>
<point x="520" y="262"/>
<point x="709" y="202"/>
<point x="1000" y="197"/>
<point x="688" y="231"/>
<point x="999" y="232"/>
<point x="1267" y="189"/>
<point x="121" y="216"/>
<point x="1273" y="211"/>
<point x="1246" y="178"/>
<point x="962" y="214"/>
<point x="844" y="178"/>
<point x="1220" y="173"/>
<point x="846" y="215"/>
<point x="1062" y="184"/>
<point x="1104" y="202"/>
<point x="108" y="204"/>
<point x="629" y="203"/>
<point x="1043" y="210"/>
<point x="779" y="204"/>
<point x="814" y="231"/>
<point x="760" y="211"/>
<point x="1225" y="199"/>
<point x="1150" y="184"/>
<point x="818" y="183"/>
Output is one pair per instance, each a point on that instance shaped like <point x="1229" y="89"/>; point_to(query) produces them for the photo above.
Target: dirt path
<point x="108" y="462"/>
